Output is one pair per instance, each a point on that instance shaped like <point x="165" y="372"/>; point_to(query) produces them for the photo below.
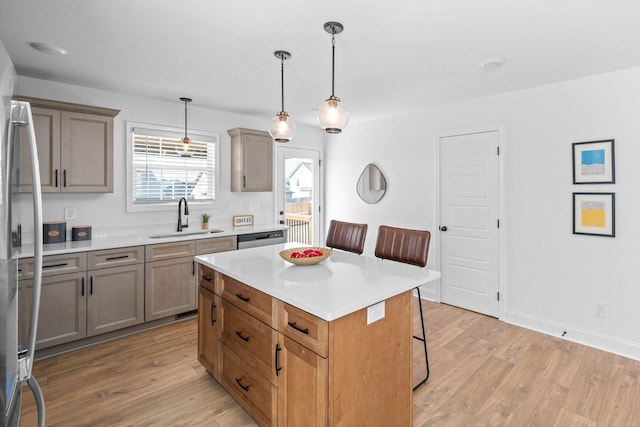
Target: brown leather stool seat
<point x="347" y="236"/>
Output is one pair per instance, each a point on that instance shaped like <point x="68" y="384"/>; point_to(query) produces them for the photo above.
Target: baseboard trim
<point x="571" y="333"/>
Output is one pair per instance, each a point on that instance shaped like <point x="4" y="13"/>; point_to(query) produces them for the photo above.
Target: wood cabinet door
<point x="257" y="152"/>
<point x="87" y="153"/>
<point x="170" y="287"/>
<point x="46" y="123"/>
<point x="303" y="387"/>
<point x="63" y="316"/>
<point x="209" y="319"/>
<point x="115" y="298"/>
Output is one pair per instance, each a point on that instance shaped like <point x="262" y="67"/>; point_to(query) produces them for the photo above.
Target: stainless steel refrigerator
<point x="16" y="363"/>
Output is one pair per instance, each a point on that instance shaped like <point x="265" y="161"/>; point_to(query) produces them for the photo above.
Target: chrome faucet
<point x="186" y="212"/>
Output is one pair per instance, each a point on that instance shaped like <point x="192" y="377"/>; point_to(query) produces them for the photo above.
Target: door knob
<point x="443" y="228"/>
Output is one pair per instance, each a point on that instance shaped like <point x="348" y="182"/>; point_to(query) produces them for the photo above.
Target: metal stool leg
<point x="424" y="342"/>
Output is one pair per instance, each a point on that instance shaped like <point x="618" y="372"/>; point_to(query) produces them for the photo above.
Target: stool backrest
<point x="347" y="236"/>
<point x="403" y="245"/>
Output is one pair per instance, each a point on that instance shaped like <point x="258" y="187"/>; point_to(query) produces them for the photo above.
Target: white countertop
<point x="111" y="242"/>
<point x="339" y="285"/>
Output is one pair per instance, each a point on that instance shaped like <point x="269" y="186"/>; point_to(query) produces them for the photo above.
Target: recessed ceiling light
<point x="492" y="64"/>
<point x="49" y="48"/>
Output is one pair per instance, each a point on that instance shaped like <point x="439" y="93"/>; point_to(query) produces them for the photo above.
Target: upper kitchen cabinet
<point x="251" y="160"/>
<point x="75" y="147"/>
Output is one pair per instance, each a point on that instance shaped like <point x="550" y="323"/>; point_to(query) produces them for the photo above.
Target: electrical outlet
<point x="375" y="312"/>
<point x="599" y="310"/>
<point x="70" y="214"/>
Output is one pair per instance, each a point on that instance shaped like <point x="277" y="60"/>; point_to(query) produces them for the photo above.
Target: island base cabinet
<point x="371" y="365"/>
<point x="253" y="392"/>
<point x="208" y="321"/>
<point x="286" y="367"/>
<point x="302" y="386"/>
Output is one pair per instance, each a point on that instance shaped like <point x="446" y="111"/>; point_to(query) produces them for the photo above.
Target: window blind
<point x="164" y="170"/>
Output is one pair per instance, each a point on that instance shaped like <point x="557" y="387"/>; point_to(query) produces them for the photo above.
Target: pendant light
<point x="282" y="126"/>
<point x="185" y="141"/>
<point x="332" y="114"/>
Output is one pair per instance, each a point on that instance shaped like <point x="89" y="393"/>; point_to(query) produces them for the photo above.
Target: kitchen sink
<point x="183" y="234"/>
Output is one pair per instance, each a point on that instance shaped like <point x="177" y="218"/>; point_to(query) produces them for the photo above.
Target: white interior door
<point x="298" y="193"/>
<point x="469" y="233"/>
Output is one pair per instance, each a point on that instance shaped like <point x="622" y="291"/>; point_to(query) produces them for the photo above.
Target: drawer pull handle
<point x="243" y="298"/>
<point x="212" y="319"/>
<point x="243" y="337"/>
<point x="113" y="258"/>
<point x="244" y="387"/>
<point x="298" y="328"/>
<point x="205" y="277"/>
<point x="278" y="368"/>
<point x="63" y="264"/>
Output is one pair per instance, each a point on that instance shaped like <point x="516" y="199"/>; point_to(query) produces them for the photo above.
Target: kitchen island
<point x="328" y="344"/>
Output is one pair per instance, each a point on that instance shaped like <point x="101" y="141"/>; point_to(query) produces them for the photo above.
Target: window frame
<point x="211" y="137"/>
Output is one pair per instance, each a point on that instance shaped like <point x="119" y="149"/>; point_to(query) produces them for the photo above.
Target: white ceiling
<point x="393" y="56"/>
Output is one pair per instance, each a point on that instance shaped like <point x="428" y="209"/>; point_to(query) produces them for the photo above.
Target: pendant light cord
<point x="185" y="118"/>
<point x="333" y="60"/>
<point x="282" y="80"/>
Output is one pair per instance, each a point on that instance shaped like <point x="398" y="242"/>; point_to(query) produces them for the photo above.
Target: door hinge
<point x="498" y="150"/>
<point x="498" y="223"/>
<point x="498" y="296"/>
<point x="319" y="163"/>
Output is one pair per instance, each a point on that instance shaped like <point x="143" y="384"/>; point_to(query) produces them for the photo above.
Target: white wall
<point x="107" y="212"/>
<point x="553" y="278"/>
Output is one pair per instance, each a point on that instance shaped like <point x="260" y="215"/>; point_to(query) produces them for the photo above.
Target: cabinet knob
<point x="443" y="228"/>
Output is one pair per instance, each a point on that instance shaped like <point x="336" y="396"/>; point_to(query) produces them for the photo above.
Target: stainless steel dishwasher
<point x="252" y="240"/>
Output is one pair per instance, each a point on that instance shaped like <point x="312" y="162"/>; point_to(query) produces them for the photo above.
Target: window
<point x="162" y="171"/>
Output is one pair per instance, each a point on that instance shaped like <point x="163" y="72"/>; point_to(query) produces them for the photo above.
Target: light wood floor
<point x="483" y="373"/>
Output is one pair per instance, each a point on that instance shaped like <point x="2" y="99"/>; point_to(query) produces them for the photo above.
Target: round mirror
<point x="371" y="184"/>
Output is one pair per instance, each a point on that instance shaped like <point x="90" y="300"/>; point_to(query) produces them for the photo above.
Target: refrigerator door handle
<point x="21" y="116"/>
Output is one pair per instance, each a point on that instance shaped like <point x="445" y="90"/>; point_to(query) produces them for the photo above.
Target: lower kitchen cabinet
<point x="107" y="297"/>
<point x="63" y="308"/>
<point x="170" y="287"/>
<point x="115" y="298"/>
<point x="170" y="270"/>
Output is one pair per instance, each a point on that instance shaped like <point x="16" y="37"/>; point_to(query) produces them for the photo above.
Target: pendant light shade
<point x="185" y="141"/>
<point x="282" y="126"/>
<point x="332" y="114"/>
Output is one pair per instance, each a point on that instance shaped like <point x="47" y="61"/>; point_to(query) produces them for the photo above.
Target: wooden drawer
<point x="53" y="265"/>
<point x="116" y="257"/>
<point x="171" y="250"/>
<point x="217" y="244"/>
<point x="304" y="328"/>
<point x="251" y="390"/>
<point x="256" y="303"/>
<point x="206" y="278"/>
<point x="253" y="340"/>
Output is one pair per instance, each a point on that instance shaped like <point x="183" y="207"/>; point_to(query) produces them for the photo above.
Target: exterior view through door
<point x="469" y="227"/>
<point x="298" y="193"/>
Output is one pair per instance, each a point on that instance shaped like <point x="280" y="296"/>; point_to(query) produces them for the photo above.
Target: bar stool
<point x="410" y="247"/>
<point x="347" y="236"/>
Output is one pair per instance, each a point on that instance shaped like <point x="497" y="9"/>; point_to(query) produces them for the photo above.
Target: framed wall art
<point x="593" y="162"/>
<point x="594" y="214"/>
